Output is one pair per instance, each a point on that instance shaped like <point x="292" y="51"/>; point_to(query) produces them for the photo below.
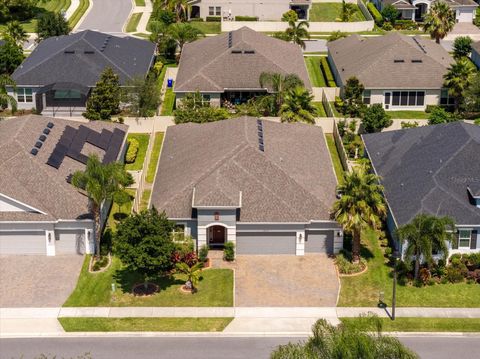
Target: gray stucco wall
<point x="207" y="216"/>
<point x="476" y="58"/>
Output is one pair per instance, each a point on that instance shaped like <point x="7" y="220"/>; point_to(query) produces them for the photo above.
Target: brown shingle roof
<point x="209" y="65"/>
<point x="291" y="181"/>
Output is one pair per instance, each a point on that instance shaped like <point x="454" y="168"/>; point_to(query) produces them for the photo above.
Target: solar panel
<point x="94" y="138"/>
<point x="105" y="139"/>
<point x="69" y="132"/>
<point x="42" y="138"/>
<point x="46" y="131"/>
<point x="109" y="157"/>
<point x="65" y="141"/>
<point x="55" y="160"/>
<point x="34" y="151"/>
<point x="50" y="125"/>
<point x="61" y="149"/>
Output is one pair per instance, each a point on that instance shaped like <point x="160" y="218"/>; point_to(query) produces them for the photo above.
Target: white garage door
<point x="70" y="241"/>
<point x="25" y="242"/>
<point x="464" y="15"/>
<point x="319" y="242"/>
<point x="266" y="243"/>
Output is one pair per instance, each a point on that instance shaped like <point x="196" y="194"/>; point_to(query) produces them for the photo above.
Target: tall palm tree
<point x="279" y="84"/>
<point x="458" y="79"/>
<point x="297" y="32"/>
<point x="298" y="106"/>
<point x="181" y="8"/>
<point x="439" y="21"/>
<point x="6" y="99"/>
<point x="361" y="205"/>
<point x="15" y="31"/>
<point x="183" y="33"/>
<point x="348" y="9"/>
<point x="101" y="183"/>
<point x="425" y="234"/>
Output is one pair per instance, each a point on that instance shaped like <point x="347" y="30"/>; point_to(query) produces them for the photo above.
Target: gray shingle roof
<point x="476" y="46"/>
<point x="208" y="65"/>
<point x="52" y="61"/>
<point x="292" y="181"/>
<point x="427" y="169"/>
<point x="28" y="179"/>
<point x="376" y="61"/>
<point x="399" y="4"/>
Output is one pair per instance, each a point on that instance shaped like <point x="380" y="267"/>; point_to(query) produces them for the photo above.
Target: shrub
<point x="132" y="150"/>
<point x="439" y="115"/>
<point x="390" y="14"/>
<point x="246" y="18"/>
<point x="405" y="25"/>
<point x="388" y="251"/>
<point x="454" y="274"/>
<point x="203" y="253"/>
<point x="462" y="46"/>
<point x="345" y="266"/>
<point x="196" y="19"/>
<point x="425" y="275"/>
<point x="387" y="26"/>
<point x="289" y="16"/>
<point x="375" y="13"/>
<point x="375" y="118"/>
<point x="327" y="72"/>
<point x="406" y="124"/>
<point x="213" y="19"/>
<point x="99" y="264"/>
<point x="229" y="251"/>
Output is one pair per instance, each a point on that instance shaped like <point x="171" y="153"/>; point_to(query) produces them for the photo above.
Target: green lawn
<point x="168" y="102"/>
<point x="363" y="290"/>
<point x="139" y="2"/>
<point x="337" y="164"/>
<point x="77" y="15"/>
<point x="152" y="166"/>
<point x="329" y="12"/>
<point x="425" y="324"/>
<point x="409" y="115"/>
<point x="133" y="22"/>
<point x="215" y="289"/>
<point x="321" y="109"/>
<point x="145" y="199"/>
<point x="144" y="324"/>
<point x="118" y="213"/>
<point x="142" y="139"/>
<point x="207" y="27"/>
<point x="315" y="72"/>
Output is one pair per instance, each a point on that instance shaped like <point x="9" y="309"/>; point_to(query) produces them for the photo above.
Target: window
<point x="211" y="10"/>
<point x="206" y="99"/>
<point x="366" y="97"/>
<point x="24" y="94"/>
<point x="178" y="234"/>
<point x="218" y="10"/>
<point x="408" y="98"/>
<point x="464" y="236"/>
<point x="446" y="99"/>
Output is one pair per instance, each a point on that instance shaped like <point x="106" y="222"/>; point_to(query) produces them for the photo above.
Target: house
<point x="266" y="186"/>
<point x="227" y="67"/>
<point x="62" y="70"/>
<point x="267" y="10"/>
<point x="415" y="10"/>
<point x="434" y="170"/>
<point x="476" y="53"/>
<point x="398" y="71"/>
<point x="40" y="211"/>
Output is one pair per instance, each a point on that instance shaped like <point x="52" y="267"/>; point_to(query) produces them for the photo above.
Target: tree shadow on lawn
<point x="365" y="252"/>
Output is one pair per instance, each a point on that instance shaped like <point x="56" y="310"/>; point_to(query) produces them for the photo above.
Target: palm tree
<point x="361" y="205"/>
<point x="15" y="31"/>
<point x="297" y="106"/>
<point x="348" y="10"/>
<point x="279" y="84"/>
<point x="439" y="21"/>
<point x="101" y="183"/>
<point x="297" y="32"/>
<point x="5" y="98"/>
<point x="180" y="7"/>
<point x="425" y="234"/>
<point x="458" y="79"/>
<point x="191" y="274"/>
<point x="183" y="33"/>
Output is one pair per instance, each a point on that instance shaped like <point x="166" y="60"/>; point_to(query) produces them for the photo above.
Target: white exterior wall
<point x="24" y="105"/>
<point x="432" y="97"/>
<point x="214" y="98"/>
<point x="264" y="10"/>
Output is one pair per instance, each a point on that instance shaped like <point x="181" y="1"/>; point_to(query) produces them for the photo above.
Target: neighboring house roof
<point x="214" y="64"/>
<point x="399" y="4"/>
<point x="460" y="3"/>
<point x="220" y="164"/>
<point x="393" y="61"/>
<point x="81" y="57"/>
<point x="28" y="179"/>
<point x="428" y="169"/>
<point x="476" y="47"/>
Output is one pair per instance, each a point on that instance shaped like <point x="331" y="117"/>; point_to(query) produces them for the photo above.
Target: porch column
<point x="201" y="236"/>
<point x="300" y="243"/>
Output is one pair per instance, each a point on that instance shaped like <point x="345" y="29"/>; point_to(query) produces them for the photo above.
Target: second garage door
<point x="70" y="241"/>
<point x="266" y="243"/>
<point x="25" y="242"/>
<point x="319" y="242"/>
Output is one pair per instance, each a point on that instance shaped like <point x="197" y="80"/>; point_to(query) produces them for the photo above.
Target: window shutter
<point x="473" y="241"/>
<point x="455" y="240"/>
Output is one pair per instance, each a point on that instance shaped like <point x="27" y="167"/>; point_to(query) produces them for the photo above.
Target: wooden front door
<point x="217" y="235"/>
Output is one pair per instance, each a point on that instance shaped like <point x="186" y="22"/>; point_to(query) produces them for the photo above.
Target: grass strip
<point x="315" y="72"/>
<point x="145" y="199"/>
<point x="337" y="164"/>
<point x="133" y="22"/>
<point x="168" y="102"/>
<point x="139" y="2"/>
<point x="404" y="324"/>
<point x="152" y="166"/>
<point x="142" y="139"/>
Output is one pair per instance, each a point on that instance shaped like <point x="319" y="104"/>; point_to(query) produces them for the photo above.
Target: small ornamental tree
<point x="390" y="14"/>
<point x="144" y="244"/>
<point x="11" y="56"/>
<point x="439" y="115"/>
<point x="104" y="100"/>
<point x="462" y="46"/>
<point x="290" y="15"/>
<point x="353" y="102"/>
<point x="375" y="119"/>
<point x="52" y="24"/>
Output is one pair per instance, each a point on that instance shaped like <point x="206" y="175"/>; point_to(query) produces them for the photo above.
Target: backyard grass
<point x="139" y="2"/>
<point x="329" y="12"/>
<point x="425" y="324"/>
<point x="409" y="115"/>
<point x="314" y="71"/>
<point x="215" y="289"/>
<point x="168" y="102"/>
<point x="144" y="324"/>
<point x="142" y="139"/>
<point x="152" y="166"/>
<point x="77" y="15"/>
<point x="363" y="290"/>
<point x="337" y="164"/>
<point x="133" y="22"/>
<point x="320" y="108"/>
<point x="207" y="27"/>
<point x="335" y="111"/>
<point x="145" y="199"/>
<point x="118" y="213"/>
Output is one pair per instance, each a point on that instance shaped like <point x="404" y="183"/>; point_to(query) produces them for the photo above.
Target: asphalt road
<point x="205" y="347"/>
<point x="107" y="16"/>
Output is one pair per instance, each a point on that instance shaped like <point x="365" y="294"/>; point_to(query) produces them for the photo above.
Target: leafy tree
<point x="191" y="273"/>
<point x="462" y="46"/>
<point x="439" y="21"/>
<point x="336" y="35"/>
<point x="52" y="24"/>
<point x="143" y="95"/>
<point x="144" y="244"/>
<point x="15" y="31"/>
<point x="101" y="182"/>
<point x="424" y="235"/>
<point x="471" y="95"/>
<point x="297" y="106"/>
<point x="439" y="115"/>
<point x="297" y="32"/>
<point x="353" y="97"/>
<point x="279" y="84"/>
<point x="458" y="78"/>
<point x="6" y="99"/>
<point x="104" y="100"/>
<point x="193" y="108"/>
<point x="347" y="11"/>
<point x="375" y="119"/>
<point x="183" y="33"/>
<point x="17" y="9"/>
<point x="390" y="14"/>
<point x="11" y="56"/>
<point x="347" y="340"/>
<point x="290" y="16"/>
<point x="361" y="205"/>
<point x="180" y="8"/>
<point x="166" y="46"/>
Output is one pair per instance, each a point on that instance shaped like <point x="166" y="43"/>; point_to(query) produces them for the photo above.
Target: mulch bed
<point x="140" y="290"/>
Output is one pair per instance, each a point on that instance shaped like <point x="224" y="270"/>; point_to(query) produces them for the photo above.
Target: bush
<point x="454" y="274"/>
<point x="203" y="253"/>
<point x="387" y="26"/>
<point x="406" y="124"/>
<point x="462" y="46"/>
<point x="375" y="119"/>
<point x="229" y="251"/>
<point x="132" y="151"/>
<point x="290" y="15"/>
<point x="430" y="108"/>
<point x="99" y="264"/>
<point x="439" y="115"/>
<point x="246" y="18"/>
<point x="375" y="13"/>
<point x="345" y="266"/>
<point x="405" y="25"/>
<point x="213" y="19"/>
<point x="327" y="72"/>
<point x="425" y="275"/>
<point x="196" y="19"/>
<point x="388" y="251"/>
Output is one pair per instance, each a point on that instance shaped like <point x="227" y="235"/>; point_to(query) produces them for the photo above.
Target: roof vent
<point x="249" y="52"/>
<point x="38" y="144"/>
<point x="42" y="138"/>
<point x="34" y="151"/>
<point x="230" y="39"/>
<point x="398" y="61"/>
<point x="46" y="131"/>
<point x="236" y="51"/>
<point x="416" y="61"/>
<point x="69" y="52"/>
<point x="50" y="125"/>
<point x="89" y="52"/>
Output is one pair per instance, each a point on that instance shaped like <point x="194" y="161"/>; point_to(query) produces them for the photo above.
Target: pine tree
<point x="104" y="100"/>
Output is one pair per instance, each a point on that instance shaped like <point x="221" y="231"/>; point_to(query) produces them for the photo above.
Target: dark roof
<point x="81" y="57"/>
<point x="476" y="47"/>
<point x="220" y="164"/>
<point x="209" y="65"/>
<point x="30" y="180"/>
<point x="427" y="170"/>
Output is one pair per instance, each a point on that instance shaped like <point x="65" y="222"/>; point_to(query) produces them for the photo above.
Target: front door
<point x="216" y="236"/>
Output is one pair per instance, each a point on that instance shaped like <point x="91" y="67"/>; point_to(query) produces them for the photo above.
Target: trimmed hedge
<point x="375" y="13"/>
<point x="196" y="19"/>
<point x="132" y="151"/>
<point x="327" y="72"/>
<point x="246" y="18"/>
<point x="213" y="19"/>
<point x="405" y="25"/>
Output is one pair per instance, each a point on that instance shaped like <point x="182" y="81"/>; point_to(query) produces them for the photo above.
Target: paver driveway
<point x="285" y="281"/>
<point x="37" y="281"/>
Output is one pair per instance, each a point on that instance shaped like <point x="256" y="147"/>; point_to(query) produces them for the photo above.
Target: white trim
<point x="23" y="204"/>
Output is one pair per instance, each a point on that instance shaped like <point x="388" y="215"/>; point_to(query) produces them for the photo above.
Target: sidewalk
<point x="146" y="12"/>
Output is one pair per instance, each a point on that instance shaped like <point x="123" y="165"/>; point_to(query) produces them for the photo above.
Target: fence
<point x="340" y="148"/>
<point x="327" y="106"/>
<point x="364" y="10"/>
<point x="275" y="26"/>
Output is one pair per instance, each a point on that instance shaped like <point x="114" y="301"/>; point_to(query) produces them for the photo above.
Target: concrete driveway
<point x="37" y="281"/>
<point x="285" y="281"/>
<point x="107" y="16"/>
